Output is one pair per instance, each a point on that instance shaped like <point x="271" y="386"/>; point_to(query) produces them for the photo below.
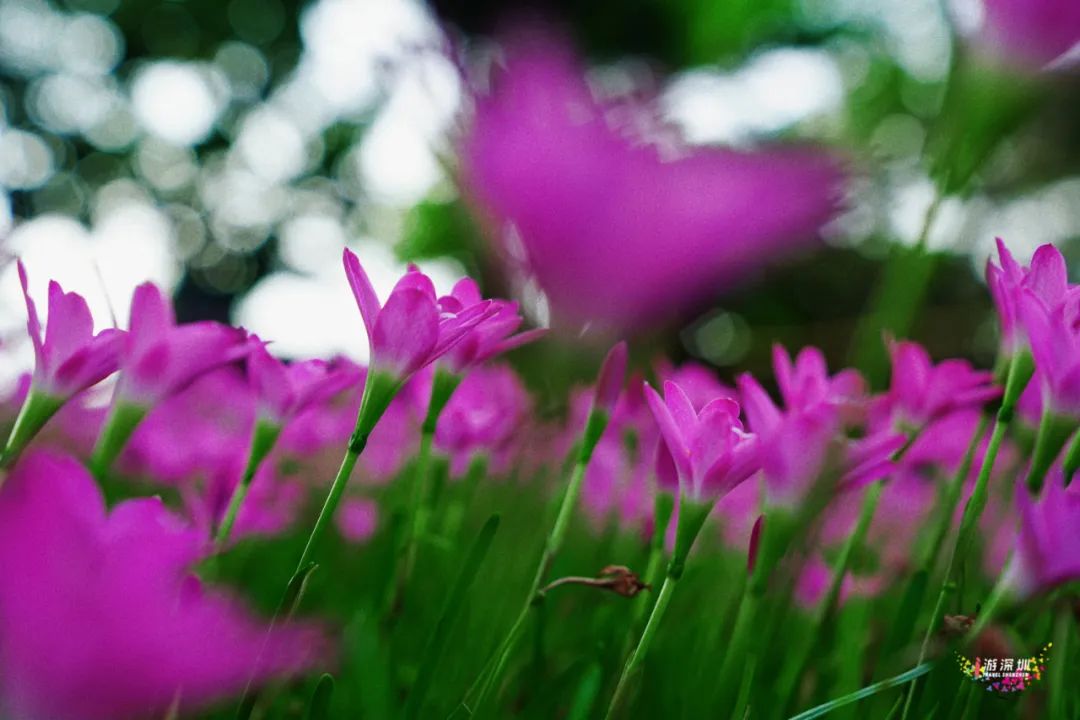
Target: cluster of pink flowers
<point x="205" y="409"/>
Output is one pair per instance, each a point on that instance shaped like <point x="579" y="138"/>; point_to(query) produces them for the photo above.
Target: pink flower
<point x="711" y="452"/>
<point x="1055" y="345"/>
<point x="1030" y="33"/>
<point x="1047" y="278"/>
<point x="485" y="416"/>
<point x="1047" y="549"/>
<point x="358" y="519"/>
<point x="492" y="336"/>
<point x="162" y="357"/>
<point x="101" y="617"/>
<point x="805" y="385"/>
<point x="921" y="392"/>
<point x="616" y="228"/>
<point x="286" y="389"/>
<point x="798" y="441"/>
<point x="411" y="330"/>
<point x="70" y="357"/>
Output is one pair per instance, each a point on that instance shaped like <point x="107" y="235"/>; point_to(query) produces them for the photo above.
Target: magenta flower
<point x="70" y="357"/>
<point x="101" y="617"/>
<point x="1047" y="549"/>
<point x="1030" y="33"/>
<point x="358" y="519"/>
<point x="286" y="389"/>
<point x="485" y="416"/>
<point x="1055" y="345"/>
<point x="921" y="392"/>
<point x="711" y="452"/>
<point x="616" y="228"/>
<point x="492" y="336"/>
<point x="162" y="357"/>
<point x="805" y="386"/>
<point x="1047" y="278"/>
<point x="411" y="330"/>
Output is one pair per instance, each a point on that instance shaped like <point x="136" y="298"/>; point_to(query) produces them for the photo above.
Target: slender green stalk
<point x="34" y="413"/>
<point x="333" y="499"/>
<point x="638" y="655"/>
<point x="421" y="490"/>
<point x="1054" y="431"/>
<point x="437" y="643"/>
<point x="551" y="550"/>
<point x="1059" y="688"/>
<point x="263" y="438"/>
<point x="965" y="537"/>
<point x="868" y="691"/>
<point x="953" y="491"/>
<point x="828" y="602"/>
<point x="121" y="423"/>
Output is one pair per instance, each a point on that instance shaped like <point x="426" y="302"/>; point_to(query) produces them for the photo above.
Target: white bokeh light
<point x="178" y="102"/>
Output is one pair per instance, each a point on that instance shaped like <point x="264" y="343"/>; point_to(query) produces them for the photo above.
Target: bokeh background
<point x="227" y="150"/>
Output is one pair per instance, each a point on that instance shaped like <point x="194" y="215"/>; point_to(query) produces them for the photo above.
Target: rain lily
<point x="921" y="391"/>
<point x="1030" y="33"/>
<point x="711" y="452"/>
<point x="617" y="228"/>
<point x="68" y="358"/>
<point x="287" y="389"/>
<point x="100" y="616"/>
<point x="160" y="358"/>
<point x="1047" y="549"/>
<point x="485" y="415"/>
<point x="1046" y="277"/>
<point x="492" y="336"/>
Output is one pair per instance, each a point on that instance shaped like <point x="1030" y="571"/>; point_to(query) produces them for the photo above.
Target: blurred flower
<point x="1047" y="549"/>
<point x="162" y="357"/>
<point x="805" y="385"/>
<point x="100" y="616"/>
<point x="1047" y="278"/>
<point x="70" y="357"/>
<point x="616" y="228"/>
<point x="711" y="452"/>
<point x="357" y="519"/>
<point x="921" y="391"/>
<point x="286" y="389"/>
<point x="1030" y="33"/>
<point x="485" y="416"/>
<point x="1055" y="345"/>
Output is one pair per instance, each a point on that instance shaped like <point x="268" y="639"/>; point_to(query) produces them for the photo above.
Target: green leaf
<point x="319" y="709"/>
<point x="454" y="601"/>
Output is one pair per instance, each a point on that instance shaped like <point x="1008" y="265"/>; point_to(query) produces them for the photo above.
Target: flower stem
<point x="832" y="595"/>
<point x="1059" y="690"/>
<point x="34" y="413"/>
<point x="123" y="418"/>
<point x="965" y="536"/>
<point x="551" y="549"/>
<point x="638" y="655"/>
<point x="881" y="686"/>
<point x="263" y="438"/>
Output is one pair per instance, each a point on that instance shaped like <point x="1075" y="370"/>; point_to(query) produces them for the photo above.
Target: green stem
<point x="1054" y="431"/>
<point x="123" y="419"/>
<point x="551" y="550"/>
<point x="953" y="492"/>
<point x="638" y="655"/>
<point x="868" y="691"/>
<point x="440" y="635"/>
<point x="1059" y="689"/>
<point x="418" y="501"/>
<point x="263" y="438"/>
<point x="34" y="413"/>
<point x="832" y="595"/>
<point x="965" y="536"/>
